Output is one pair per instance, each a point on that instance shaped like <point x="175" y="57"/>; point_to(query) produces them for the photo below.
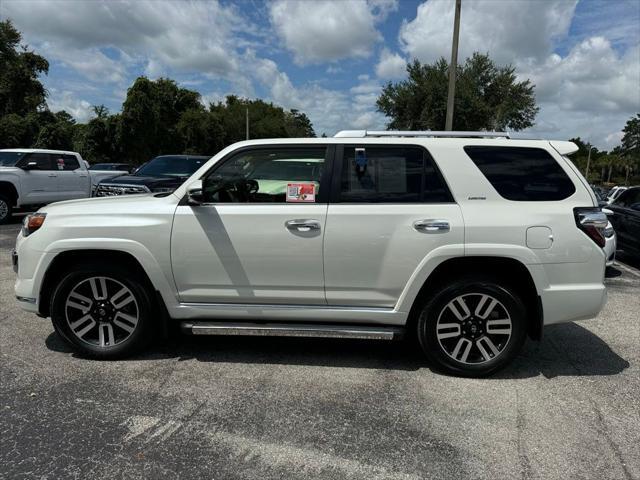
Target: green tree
<point x="631" y="148"/>
<point x="150" y="114"/>
<point x="21" y="92"/>
<point x="488" y="97"/>
<point x="57" y="132"/>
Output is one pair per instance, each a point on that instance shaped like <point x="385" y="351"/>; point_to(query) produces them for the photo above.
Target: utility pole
<point x="586" y="171"/>
<point x="247" y="122"/>
<point x="452" y="68"/>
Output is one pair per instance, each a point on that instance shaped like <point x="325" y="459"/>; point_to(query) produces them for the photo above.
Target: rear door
<point x="39" y="185"/>
<point x="390" y="208"/>
<point x="626" y="220"/>
<point x="73" y="180"/>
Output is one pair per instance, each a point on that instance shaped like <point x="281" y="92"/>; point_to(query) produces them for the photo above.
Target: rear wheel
<point x="102" y="311"/>
<point x="6" y="209"/>
<point x="472" y="327"/>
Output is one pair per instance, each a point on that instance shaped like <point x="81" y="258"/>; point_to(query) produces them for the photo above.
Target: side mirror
<point x="30" y="166"/>
<point x="195" y="195"/>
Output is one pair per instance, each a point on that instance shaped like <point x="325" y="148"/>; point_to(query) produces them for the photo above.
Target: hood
<point x="149" y="182"/>
<point x="119" y="205"/>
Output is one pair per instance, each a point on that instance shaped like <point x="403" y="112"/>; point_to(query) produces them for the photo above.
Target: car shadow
<point x="566" y="350"/>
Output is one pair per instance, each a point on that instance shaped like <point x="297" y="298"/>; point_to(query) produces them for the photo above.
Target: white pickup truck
<point x="34" y="177"/>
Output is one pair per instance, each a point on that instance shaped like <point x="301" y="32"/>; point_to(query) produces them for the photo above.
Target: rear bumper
<point x="572" y="302"/>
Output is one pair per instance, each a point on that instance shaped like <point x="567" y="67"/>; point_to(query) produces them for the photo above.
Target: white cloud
<point x="508" y="30"/>
<point x="79" y="109"/>
<point x="325" y="31"/>
<point x="391" y="66"/>
<point x="188" y="37"/>
<point x="590" y="92"/>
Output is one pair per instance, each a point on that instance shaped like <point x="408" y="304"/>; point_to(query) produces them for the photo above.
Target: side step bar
<point x="293" y="330"/>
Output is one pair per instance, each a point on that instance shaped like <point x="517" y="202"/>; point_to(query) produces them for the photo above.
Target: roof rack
<point x="418" y="133"/>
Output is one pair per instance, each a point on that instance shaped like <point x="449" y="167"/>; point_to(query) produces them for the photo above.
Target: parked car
<point x="122" y="167"/>
<point x="611" y="243"/>
<point x="33" y="177"/>
<point x="468" y="244"/>
<point x="625" y="218"/>
<point x="614" y="193"/>
<point x="162" y="174"/>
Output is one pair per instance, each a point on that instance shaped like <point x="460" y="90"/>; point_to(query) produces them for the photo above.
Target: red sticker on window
<point x="301" y="192"/>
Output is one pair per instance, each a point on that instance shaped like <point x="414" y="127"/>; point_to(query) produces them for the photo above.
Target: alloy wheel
<point x="474" y="328"/>
<point x="101" y="311"/>
<point x="4" y="209"/>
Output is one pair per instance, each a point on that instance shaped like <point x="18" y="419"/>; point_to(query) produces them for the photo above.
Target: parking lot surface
<point x="241" y="408"/>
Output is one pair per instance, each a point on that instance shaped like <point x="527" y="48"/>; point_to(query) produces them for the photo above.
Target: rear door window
<point x="71" y="162"/>
<point x="521" y="173"/>
<point x="390" y="174"/>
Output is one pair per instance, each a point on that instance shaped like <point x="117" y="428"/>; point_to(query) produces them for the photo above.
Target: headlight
<point x="608" y="231"/>
<point x="32" y="222"/>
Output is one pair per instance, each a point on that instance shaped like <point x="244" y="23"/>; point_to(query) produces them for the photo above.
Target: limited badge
<point x="301" y="192"/>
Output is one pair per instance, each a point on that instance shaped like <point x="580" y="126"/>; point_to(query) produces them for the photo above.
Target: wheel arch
<point x="8" y="190"/>
<point x="506" y="270"/>
<point x="64" y="262"/>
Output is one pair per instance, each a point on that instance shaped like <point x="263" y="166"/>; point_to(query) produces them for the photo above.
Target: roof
<point x="37" y="150"/>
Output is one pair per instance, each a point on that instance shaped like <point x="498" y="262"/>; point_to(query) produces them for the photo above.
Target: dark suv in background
<point x="162" y="174"/>
<point x="625" y="218"/>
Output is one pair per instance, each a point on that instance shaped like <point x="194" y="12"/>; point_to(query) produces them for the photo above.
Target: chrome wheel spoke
<point x="484" y="342"/>
<point x="80" y="302"/>
<point x="122" y="298"/>
<point x="448" y="330"/>
<point x="464" y="345"/>
<point x="129" y="324"/>
<point x="485" y="306"/>
<point x="459" y="308"/>
<point x="106" y="337"/>
<point x="99" y="288"/>
<point x="499" y="327"/>
<point x="80" y="327"/>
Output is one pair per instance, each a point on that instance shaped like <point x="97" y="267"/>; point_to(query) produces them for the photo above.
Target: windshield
<point x="9" y="159"/>
<point x="171" y="167"/>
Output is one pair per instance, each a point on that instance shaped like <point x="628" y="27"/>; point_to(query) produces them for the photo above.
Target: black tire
<point x="117" y="342"/>
<point x="448" y="353"/>
<point x="6" y="209"/>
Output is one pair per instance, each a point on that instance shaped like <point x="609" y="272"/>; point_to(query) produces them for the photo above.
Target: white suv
<point x="466" y="241"/>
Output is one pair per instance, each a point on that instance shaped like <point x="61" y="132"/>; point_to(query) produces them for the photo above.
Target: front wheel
<point x="5" y="210"/>
<point x="472" y="327"/>
<point x="102" y="311"/>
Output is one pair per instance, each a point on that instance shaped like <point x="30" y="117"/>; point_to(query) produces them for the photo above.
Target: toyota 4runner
<point x="467" y="241"/>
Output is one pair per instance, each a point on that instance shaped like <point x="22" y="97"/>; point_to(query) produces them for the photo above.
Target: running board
<point x="293" y="330"/>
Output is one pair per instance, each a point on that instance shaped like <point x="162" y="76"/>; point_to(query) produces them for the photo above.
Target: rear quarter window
<point x="521" y="173"/>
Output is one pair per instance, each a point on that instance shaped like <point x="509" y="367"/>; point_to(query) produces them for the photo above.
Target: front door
<point x="258" y="240"/>
<point x="390" y="209"/>
<point x="40" y="184"/>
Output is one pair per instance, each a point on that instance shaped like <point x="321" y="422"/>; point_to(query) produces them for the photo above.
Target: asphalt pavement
<point x="267" y="408"/>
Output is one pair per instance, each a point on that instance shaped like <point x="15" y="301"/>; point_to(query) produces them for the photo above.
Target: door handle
<point x="432" y="226"/>
<point x="52" y="175"/>
<point x="302" y="225"/>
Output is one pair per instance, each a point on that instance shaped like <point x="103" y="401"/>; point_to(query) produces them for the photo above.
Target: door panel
<point x="390" y="208"/>
<point x="73" y="181"/>
<point x="258" y="240"/>
<point x="237" y="253"/>
<point x="38" y="186"/>
<point x="371" y="251"/>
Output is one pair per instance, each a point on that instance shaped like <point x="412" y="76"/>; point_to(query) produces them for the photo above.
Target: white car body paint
<point x="237" y="261"/>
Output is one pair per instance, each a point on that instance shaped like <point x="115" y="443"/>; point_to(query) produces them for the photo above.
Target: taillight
<point x="593" y="222"/>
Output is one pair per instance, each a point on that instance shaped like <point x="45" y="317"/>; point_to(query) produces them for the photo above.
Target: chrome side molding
<point x="292" y="330"/>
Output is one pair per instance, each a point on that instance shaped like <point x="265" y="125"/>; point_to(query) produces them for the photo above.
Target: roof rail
<point x="418" y="133"/>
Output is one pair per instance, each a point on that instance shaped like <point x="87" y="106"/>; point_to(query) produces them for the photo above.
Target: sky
<point x="330" y="59"/>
